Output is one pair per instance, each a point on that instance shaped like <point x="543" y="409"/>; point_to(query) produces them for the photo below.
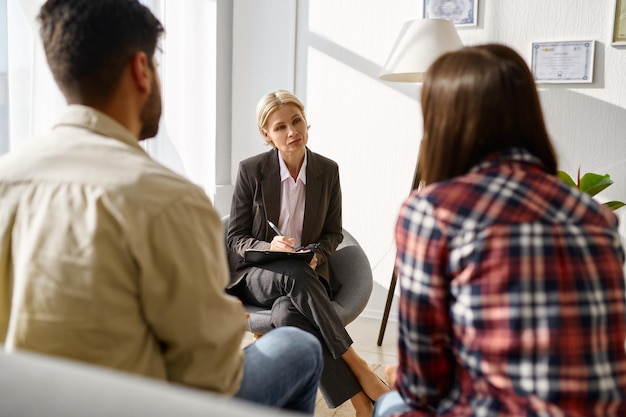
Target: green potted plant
<point x="591" y="184"/>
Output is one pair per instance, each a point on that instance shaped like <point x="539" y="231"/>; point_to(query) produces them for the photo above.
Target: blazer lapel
<point x="313" y="194"/>
<point x="270" y="186"/>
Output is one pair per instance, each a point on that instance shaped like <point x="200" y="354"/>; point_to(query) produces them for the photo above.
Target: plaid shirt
<point x="512" y="297"/>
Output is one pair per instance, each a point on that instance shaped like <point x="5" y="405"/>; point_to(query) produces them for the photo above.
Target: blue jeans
<point x="390" y="403"/>
<point x="282" y="369"/>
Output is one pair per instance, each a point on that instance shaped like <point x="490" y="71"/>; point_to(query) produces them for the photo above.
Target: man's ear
<point x="142" y="73"/>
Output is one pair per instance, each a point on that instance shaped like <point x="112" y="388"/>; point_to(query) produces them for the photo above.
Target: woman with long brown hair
<point x="512" y="297"/>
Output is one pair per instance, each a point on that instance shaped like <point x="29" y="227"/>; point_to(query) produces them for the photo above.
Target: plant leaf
<point x="565" y="177"/>
<point x="614" y="205"/>
<point x="592" y="184"/>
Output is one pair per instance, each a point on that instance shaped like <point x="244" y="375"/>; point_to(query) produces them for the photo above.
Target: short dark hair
<point x="88" y="43"/>
<point x="476" y="101"/>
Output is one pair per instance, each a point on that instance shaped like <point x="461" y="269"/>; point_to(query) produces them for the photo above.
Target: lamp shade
<point x="418" y="45"/>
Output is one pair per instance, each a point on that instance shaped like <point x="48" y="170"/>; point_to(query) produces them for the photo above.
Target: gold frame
<point x="619" y="23"/>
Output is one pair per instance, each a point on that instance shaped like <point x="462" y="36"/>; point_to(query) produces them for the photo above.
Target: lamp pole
<point x="417" y="179"/>
<point x="418" y="45"/>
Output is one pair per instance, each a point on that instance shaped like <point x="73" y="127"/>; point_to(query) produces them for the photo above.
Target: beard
<point x="151" y="113"/>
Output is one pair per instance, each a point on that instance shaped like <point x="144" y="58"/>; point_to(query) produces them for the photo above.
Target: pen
<point x="311" y="246"/>
<point x="275" y="228"/>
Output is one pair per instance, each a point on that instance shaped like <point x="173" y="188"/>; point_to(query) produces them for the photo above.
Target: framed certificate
<point x="563" y="62"/>
<point x="461" y="12"/>
<point x="619" y="23"/>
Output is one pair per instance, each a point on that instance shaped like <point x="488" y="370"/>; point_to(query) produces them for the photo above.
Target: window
<point x="187" y="67"/>
<point x="4" y="82"/>
<point x="30" y="100"/>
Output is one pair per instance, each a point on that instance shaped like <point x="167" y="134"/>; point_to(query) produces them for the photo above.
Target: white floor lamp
<point x="418" y="45"/>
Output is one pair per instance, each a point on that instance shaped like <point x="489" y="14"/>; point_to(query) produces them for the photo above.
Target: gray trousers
<point x="297" y="298"/>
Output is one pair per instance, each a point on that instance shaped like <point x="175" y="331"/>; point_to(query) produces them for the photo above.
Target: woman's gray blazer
<point x="256" y="199"/>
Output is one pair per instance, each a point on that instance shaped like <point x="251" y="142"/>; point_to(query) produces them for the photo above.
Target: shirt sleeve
<point x="426" y="366"/>
<point x="199" y="327"/>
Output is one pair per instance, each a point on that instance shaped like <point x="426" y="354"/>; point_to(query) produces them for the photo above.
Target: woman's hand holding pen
<point x="283" y="244"/>
<point x="280" y="242"/>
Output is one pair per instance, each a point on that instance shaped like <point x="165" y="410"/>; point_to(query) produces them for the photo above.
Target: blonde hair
<point x="271" y="102"/>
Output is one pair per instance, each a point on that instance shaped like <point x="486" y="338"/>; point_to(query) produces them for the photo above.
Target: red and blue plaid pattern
<point x="512" y="297"/>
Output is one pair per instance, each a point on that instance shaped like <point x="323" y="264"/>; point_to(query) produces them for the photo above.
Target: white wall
<point x="262" y="63"/>
<point x="372" y="128"/>
<point x="263" y="58"/>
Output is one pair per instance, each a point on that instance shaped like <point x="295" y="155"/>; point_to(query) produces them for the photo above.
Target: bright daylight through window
<point x="4" y="83"/>
<point x="30" y="101"/>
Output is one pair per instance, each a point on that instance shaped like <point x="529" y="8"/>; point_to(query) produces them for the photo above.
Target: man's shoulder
<point x="20" y="156"/>
<point x="87" y="160"/>
<point x="152" y="185"/>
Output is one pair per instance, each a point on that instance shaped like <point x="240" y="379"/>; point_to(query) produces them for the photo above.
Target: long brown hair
<point x="476" y="101"/>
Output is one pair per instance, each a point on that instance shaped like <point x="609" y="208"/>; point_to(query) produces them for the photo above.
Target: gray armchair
<point x="350" y="266"/>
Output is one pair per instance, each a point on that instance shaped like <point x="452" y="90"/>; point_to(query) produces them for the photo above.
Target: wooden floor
<point x="364" y="333"/>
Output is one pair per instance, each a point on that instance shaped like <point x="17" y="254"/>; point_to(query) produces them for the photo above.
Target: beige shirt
<point x="108" y="257"/>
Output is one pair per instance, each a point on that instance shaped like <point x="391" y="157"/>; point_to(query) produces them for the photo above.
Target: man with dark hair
<point x="108" y="257"/>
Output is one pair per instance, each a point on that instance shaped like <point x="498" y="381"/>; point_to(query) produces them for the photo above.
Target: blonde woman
<point x="299" y="191"/>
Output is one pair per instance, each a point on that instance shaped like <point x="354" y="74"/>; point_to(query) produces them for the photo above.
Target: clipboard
<point x="255" y="256"/>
